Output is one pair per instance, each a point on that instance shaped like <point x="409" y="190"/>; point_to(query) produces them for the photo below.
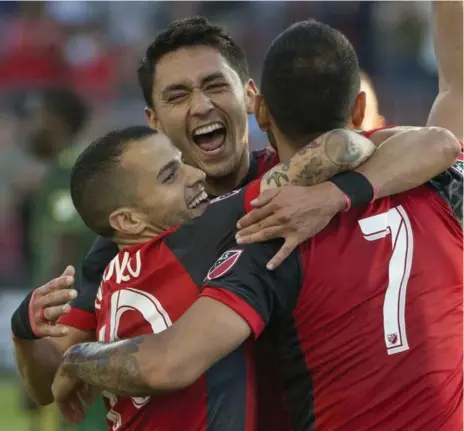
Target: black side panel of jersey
<point x="274" y="296"/>
<point x="450" y="186"/>
<point x="89" y="274"/>
<point x="198" y="243"/>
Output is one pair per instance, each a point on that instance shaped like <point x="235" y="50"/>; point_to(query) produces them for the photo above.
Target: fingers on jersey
<point x="59" y="283"/>
<point x="48" y="303"/>
<point x="292" y="241"/>
<point x="256" y="215"/>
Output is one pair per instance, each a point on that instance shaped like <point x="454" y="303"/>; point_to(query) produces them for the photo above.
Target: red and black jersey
<point x="144" y="290"/>
<point x="366" y="317"/>
<point x="89" y="274"/>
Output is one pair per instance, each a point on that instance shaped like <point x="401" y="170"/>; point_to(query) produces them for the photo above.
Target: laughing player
<point x="165" y="79"/>
<point x="414" y="161"/>
<point x="131" y="185"/>
<point x="376" y="344"/>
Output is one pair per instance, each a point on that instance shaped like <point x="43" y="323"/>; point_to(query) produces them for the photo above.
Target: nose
<point x="195" y="177"/>
<point x="200" y="104"/>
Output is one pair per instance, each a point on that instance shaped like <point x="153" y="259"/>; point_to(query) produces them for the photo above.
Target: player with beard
<point x="376" y="344"/>
<point x="417" y="161"/>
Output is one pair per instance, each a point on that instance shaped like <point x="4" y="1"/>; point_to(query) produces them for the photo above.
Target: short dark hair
<point x="98" y="182"/>
<point x="310" y="79"/>
<point x="67" y="105"/>
<point x="189" y="32"/>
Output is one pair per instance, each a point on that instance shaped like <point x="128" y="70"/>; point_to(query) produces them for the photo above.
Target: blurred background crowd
<point x="88" y="52"/>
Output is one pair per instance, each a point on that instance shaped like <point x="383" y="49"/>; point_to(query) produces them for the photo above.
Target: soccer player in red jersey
<point x="82" y="323"/>
<point x="374" y="344"/>
<point x="157" y="274"/>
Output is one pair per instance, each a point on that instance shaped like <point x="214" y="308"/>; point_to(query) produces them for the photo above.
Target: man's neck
<point x="287" y="147"/>
<point x="128" y="240"/>
<point x="228" y="183"/>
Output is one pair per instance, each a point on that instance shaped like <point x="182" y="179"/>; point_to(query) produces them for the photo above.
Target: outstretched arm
<point x="156" y="363"/>
<point x="447" y="26"/>
<point x="405" y="158"/>
<point x="231" y="307"/>
<point x="409" y="159"/>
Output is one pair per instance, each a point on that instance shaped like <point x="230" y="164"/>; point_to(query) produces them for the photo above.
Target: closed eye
<point x="217" y="86"/>
<point x="171" y="177"/>
<point x="177" y="97"/>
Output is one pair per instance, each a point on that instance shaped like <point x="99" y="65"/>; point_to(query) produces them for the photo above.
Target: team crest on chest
<point x="223" y="264"/>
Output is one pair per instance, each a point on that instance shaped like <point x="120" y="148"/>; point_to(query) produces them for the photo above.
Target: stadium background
<point x="94" y="48"/>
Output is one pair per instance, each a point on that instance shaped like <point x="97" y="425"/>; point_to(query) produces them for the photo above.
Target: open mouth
<point x="201" y="199"/>
<point x="211" y="137"/>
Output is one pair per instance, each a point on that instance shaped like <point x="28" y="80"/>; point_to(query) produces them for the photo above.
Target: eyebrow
<point x="168" y="166"/>
<point x="204" y="80"/>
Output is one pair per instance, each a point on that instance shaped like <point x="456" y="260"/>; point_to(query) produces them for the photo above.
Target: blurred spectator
<point x="31" y="54"/>
<point x="58" y="237"/>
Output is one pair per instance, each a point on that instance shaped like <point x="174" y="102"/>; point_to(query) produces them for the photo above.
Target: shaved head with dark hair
<point x="99" y="183"/>
<point x="310" y="79"/>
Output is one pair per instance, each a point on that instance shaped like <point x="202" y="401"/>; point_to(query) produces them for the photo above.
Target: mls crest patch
<point x="223" y="264"/>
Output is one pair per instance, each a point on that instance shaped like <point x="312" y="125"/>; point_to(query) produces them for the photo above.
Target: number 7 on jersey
<point x="396" y="223"/>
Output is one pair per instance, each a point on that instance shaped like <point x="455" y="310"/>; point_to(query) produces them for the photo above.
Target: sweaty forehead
<point x="188" y="66"/>
<point x="149" y="154"/>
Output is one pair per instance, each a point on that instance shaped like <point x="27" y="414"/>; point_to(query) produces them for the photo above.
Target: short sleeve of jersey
<point x="88" y="278"/>
<point x="240" y="280"/>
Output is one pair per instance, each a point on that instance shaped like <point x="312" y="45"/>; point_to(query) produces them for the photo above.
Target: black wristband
<point x="356" y="187"/>
<point x="20" y="321"/>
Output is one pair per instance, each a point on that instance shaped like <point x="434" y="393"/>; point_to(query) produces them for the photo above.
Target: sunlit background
<point x="94" y="49"/>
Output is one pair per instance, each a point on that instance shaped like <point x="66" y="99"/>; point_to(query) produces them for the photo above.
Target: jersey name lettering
<point x="124" y="270"/>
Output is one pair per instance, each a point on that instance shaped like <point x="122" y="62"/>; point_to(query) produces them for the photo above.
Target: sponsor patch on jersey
<point x="222" y="197"/>
<point x="223" y="264"/>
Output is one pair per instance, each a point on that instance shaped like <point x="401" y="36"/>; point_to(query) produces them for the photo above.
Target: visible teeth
<point x="201" y="198"/>
<point x="207" y="129"/>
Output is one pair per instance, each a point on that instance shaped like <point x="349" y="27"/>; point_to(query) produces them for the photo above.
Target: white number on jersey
<point x="150" y="308"/>
<point x="396" y="223"/>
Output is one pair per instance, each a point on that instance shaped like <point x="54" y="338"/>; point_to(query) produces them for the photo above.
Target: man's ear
<point x="127" y="221"/>
<point x="152" y="118"/>
<point x="359" y="110"/>
<point x="261" y="112"/>
<point x="251" y="93"/>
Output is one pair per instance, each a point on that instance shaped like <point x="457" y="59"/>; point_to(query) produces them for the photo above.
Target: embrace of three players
<point x="314" y="285"/>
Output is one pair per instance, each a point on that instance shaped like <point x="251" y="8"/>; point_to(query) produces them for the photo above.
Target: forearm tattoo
<point x="113" y="367"/>
<point x="341" y="148"/>
<point x="278" y="178"/>
<point x="325" y="156"/>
